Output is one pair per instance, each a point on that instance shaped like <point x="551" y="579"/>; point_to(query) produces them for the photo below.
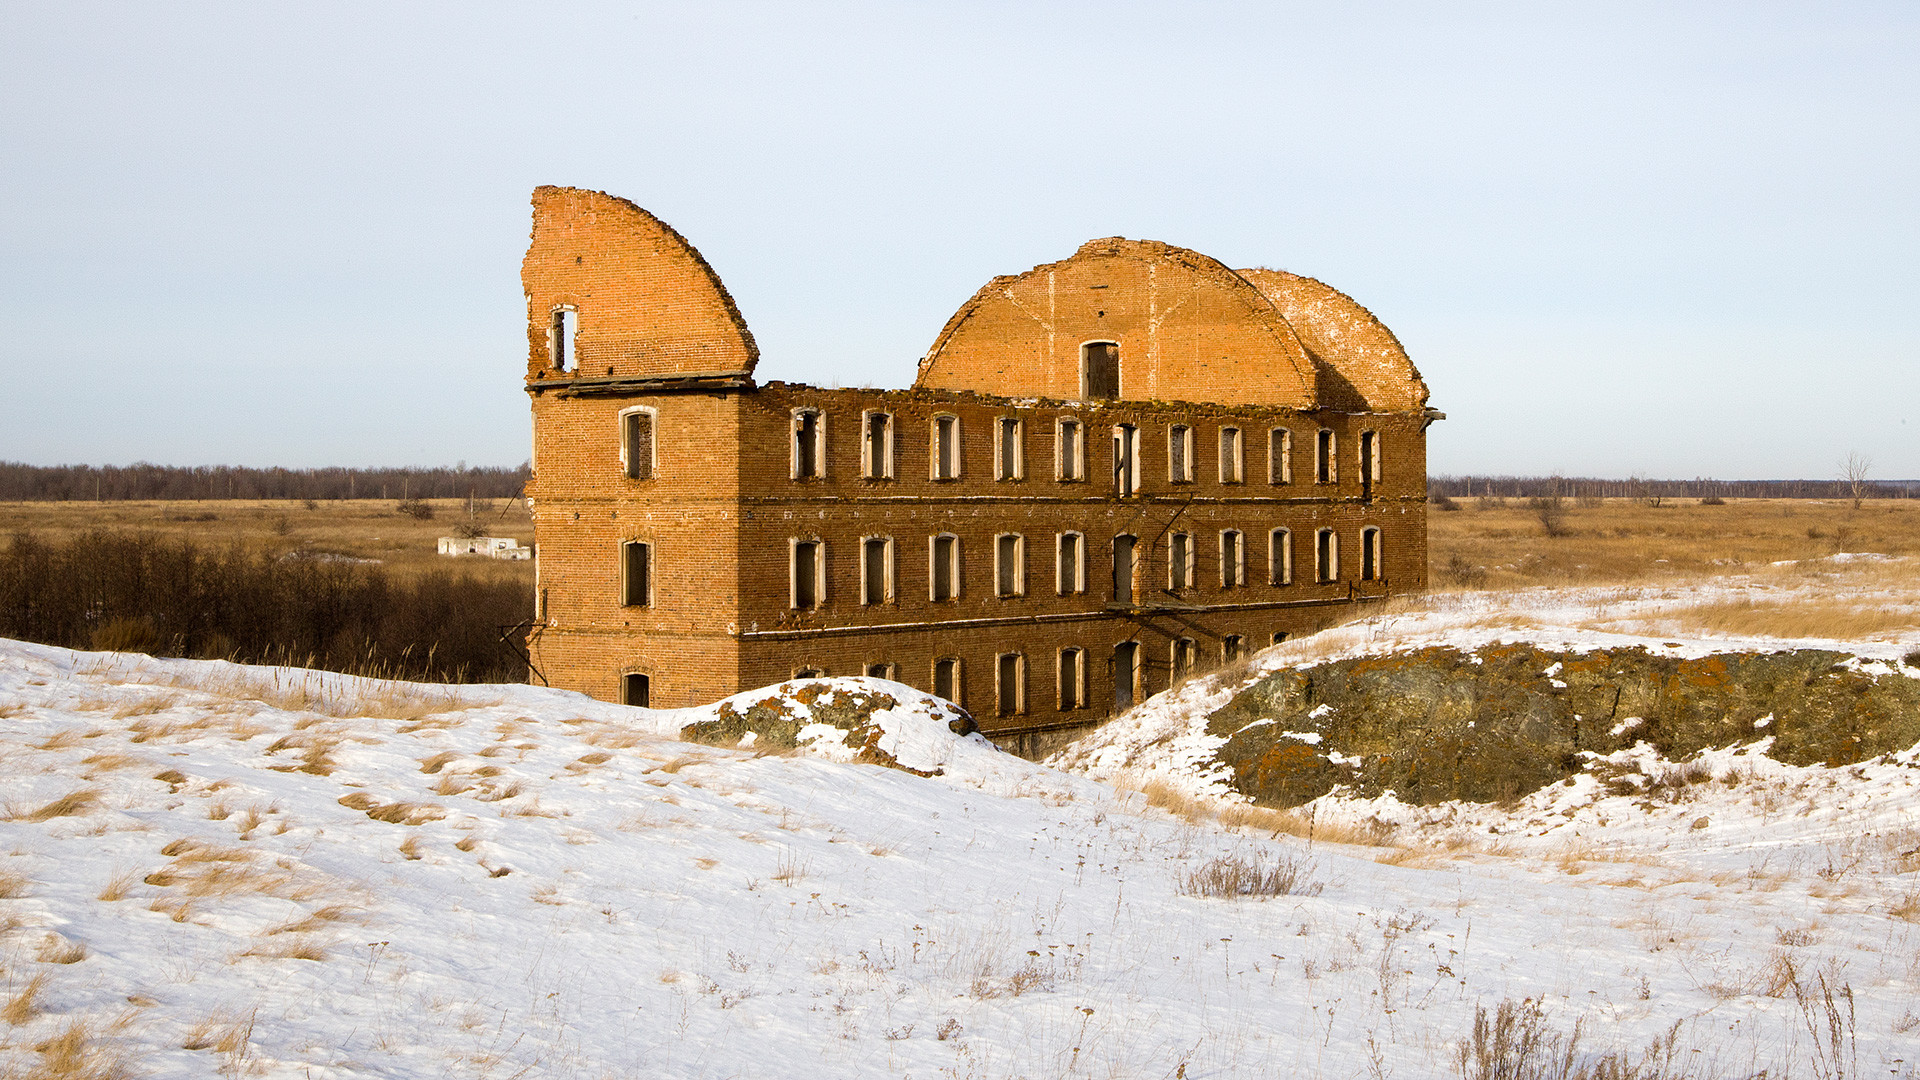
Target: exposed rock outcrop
<point x="780" y="721"/>
<point x="1505" y="720"/>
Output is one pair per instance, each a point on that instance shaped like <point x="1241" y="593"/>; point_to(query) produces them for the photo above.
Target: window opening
<point x="1073" y="679"/>
<point x="809" y="673"/>
<point x="1279" y="636"/>
<point x="945" y="569"/>
<point x="1180" y="453"/>
<point x="1123" y="569"/>
<point x="1011" y="696"/>
<point x="881" y="670"/>
<point x="1182" y="658"/>
<point x="1099" y="371"/>
<point x="876" y="570"/>
<point x="876" y="447"/>
<point x="946" y="680"/>
<point x="1010" y="451"/>
<point x="807" y="572"/>
<point x="1126" y="674"/>
<point x="806" y="444"/>
<point x="1325" y="467"/>
<point x="1126" y="460"/>
<point x="946" y="447"/>
<point x="1070" y="453"/>
<point x="1179" y="561"/>
<point x="1279" y="456"/>
<point x="1010" y="575"/>
<point x="636" y="571"/>
<point x="1369" y="462"/>
<point x="636" y="689"/>
<point x="636" y="443"/>
<point x="1232" y="647"/>
<point x="560" y="337"/>
<point x="1326" y="556"/>
<point x="1230" y="455"/>
<point x="1370" y="555"/>
<point x="1233" y="563"/>
<point x="1280" y="557"/>
<point x="1071" y="572"/>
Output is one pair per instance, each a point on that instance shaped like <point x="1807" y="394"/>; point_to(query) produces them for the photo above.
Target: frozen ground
<point x="218" y="870"/>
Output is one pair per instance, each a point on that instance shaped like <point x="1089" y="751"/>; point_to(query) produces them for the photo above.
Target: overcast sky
<point x="1667" y="239"/>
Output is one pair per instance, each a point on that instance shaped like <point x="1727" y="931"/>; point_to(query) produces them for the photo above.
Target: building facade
<point x="1111" y="472"/>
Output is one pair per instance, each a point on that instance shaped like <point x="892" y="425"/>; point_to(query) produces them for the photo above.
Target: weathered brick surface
<point x="723" y="511"/>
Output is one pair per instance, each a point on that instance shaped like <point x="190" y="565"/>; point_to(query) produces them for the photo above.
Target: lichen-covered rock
<point x="843" y="719"/>
<point x="1503" y="720"/>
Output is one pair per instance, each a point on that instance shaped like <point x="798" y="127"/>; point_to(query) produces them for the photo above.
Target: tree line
<point x="1588" y="487"/>
<point x="20" y="482"/>
<point x="138" y="592"/>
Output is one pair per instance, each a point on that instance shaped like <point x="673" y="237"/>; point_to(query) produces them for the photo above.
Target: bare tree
<point x="1857" y="466"/>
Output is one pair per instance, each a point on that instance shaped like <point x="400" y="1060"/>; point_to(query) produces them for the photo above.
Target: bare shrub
<point x="1445" y="502"/>
<point x="1827" y="1013"/>
<point x="1551" y="512"/>
<point x="417" y="509"/>
<point x="1233" y="875"/>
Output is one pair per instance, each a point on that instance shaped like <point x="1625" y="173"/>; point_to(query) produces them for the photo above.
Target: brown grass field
<point x="363" y="528"/>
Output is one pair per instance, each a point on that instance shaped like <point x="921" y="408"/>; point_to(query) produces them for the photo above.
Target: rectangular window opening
<point x="1179" y="561"/>
<point x="1280" y="557"/>
<point x="636" y="444"/>
<point x="1072" y="575"/>
<point x="636" y="571"/>
<point x="945" y="569"/>
<point x="1123" y="569"/>
<point x="1070" y="452"/>
<point x="1099" y="371"/>
<point x="806" y="445"/>
<point x="946" y="447"/>
<point x="1011" y="696"/>
<point x="1232" y="560"/>
<point x="876" y="448"/>
<point x="876" y="570"/>
<point x="946" y="680"/>
<point x="1010" y="450"/>
<point x="1073" y="674"/>
<point x="560" y="338"/>
<point x="1230" y="455"/>
<point x="1326" y="556"/>
<point x="806" y="574"/>
<point x="1180" y="453"/>
<point x="1325" y="467"/>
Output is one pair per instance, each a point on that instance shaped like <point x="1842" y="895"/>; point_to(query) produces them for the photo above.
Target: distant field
<point x="362" y="528"/>
<point x="1504" y="543"/>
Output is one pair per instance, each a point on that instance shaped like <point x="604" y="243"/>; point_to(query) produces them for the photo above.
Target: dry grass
<point x="1826" y="617"/>
<point x="72" y="804"/>
<point x="22" y="1007"/>
<point x="397" y="813"/>
<point x="1233" y="875"/>
<point x="12" y="886"/>
<point x="222" y="1032"/>
<point x="366" y="529"/>
<point x="117" y="886"/>
<point x="76" y="1054"/>
<point x="1622" y="541"/>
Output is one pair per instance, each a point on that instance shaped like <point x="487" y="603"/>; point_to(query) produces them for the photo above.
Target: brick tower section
<point x="1041" y="556"/>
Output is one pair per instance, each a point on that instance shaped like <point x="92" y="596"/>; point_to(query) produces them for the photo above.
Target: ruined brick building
<point x="1111" y="470"/>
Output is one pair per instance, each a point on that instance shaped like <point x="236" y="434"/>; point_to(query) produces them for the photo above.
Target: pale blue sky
<point x="1669" y="239"/>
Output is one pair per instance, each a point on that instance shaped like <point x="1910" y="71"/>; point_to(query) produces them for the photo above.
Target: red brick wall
<point x="647" y="303"/>
<point x="1188" y="328"/>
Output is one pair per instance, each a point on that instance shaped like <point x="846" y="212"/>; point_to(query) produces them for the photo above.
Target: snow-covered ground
<point x="211" y="870"/>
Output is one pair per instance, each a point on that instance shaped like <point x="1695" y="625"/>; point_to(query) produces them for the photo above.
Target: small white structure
<point x="489" y="547"/>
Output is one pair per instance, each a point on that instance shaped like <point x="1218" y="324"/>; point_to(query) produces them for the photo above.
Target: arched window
<point x="1123" y="568"/>
<point x="1179" y="561"/>
<point x="636" y="574"/>
<point x="1370" y="565"/>
<point x="876" y="445"/>
<point x="1279" y="456"/>
<point x="946" y="680"/>
<point x="809" y="444"/>
<point x="1233" y="559"/>
<point x="1009" y="449"/>
<point x="1326" y="556"/>
<point x="1070" y="567"/>
<point x="1010" y="684"/>
<point x="944" y="454"/>
<point x="1009" y="565"/>
<point x="943" y="567"/>
<point x="1126" y="675"/>
<point x="1181" y="657"/>
<point x="1073" y="679"/>
<point x="636" y="689"/>
<point x="1280" y="557"/>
